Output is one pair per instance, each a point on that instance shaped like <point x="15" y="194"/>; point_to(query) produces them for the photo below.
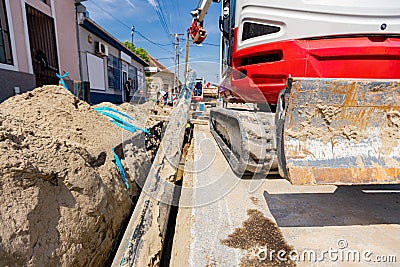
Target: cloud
<point x="152" y="3"/>
<point x="105" y="10"/>
<point x="130" y="3"/>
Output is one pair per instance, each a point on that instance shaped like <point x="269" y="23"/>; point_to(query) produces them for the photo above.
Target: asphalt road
<point x="229" y="221"/>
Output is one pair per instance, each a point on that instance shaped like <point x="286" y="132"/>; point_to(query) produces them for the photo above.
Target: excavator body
<point x="331" y="70"/>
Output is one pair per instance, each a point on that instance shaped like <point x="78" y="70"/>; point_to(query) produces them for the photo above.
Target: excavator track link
<point x="246" y="138"/>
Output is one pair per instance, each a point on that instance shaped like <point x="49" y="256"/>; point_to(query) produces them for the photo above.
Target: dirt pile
<point x="63" y="201"/>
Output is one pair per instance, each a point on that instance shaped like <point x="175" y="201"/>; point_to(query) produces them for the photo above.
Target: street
<point x="361" y="223"/>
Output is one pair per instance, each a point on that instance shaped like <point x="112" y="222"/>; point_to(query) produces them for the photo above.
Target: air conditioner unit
<point x="101" y="48"/>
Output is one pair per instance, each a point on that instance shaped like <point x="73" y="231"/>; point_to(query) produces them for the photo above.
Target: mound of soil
<point x="63" y="200"/>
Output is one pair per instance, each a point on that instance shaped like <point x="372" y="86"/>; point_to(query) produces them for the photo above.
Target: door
<point x="124" y="79"/>
<point x="43" y="46"/>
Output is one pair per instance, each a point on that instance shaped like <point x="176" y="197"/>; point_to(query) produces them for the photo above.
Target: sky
<point x="156" y="20"/>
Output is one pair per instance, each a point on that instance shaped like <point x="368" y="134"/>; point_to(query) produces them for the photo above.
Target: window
<point x="5" y="43"/>
<point x="96" y="73"/>
<point x="226" y="56"/>
<point x="140" y="79"/>
<point x="252" y="30"/>
<point x="47" y="2"/>
<point x="114" y="68"/>
<point x="133" y="75"/>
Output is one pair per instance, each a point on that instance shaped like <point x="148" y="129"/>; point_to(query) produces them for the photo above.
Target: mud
<point x="393" y="119"/>
<point x="258" y="237"/>
<point x="390" y="133"/>
<point x="325" y="131"/>
<point x="255" y="200"/>
<point x="328" y="112"/>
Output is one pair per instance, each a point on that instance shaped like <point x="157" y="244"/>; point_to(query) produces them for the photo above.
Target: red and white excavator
<point x="325" y="78"/>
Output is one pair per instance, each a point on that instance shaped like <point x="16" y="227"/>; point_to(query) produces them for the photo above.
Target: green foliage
<point x="129" y="45"/>
<point x="142" y="53"/>
<point x="137" y="50"/>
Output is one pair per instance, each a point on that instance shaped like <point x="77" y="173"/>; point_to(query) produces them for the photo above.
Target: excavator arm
<point x="196" y="30"/>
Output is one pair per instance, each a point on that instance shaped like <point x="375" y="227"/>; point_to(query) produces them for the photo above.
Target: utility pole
<point x="132" y="32"/>
<point x="186" y="57"/>
<point x="176" y="60"/>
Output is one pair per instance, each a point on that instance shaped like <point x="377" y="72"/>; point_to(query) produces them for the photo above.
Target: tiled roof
<point x="155" y="63"/>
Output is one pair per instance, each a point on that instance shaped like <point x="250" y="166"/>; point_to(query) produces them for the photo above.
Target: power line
<point x="154" y="43"/>
<point x="211" y="44"/>
<point x="176" y="7"/>
<point x="130" y="27"/>
<point x="204" y="44"/>
<point x="164" y="58"/>
<point x="162" y="21"/>
<point x="144" y="37"/>
<point x="164" y="8"/>
<point x="159" y="10"/>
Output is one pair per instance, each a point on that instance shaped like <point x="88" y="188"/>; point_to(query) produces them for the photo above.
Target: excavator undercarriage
<point x="247" y="139"/>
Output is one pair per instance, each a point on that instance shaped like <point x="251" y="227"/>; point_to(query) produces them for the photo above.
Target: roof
<point x="155" y="63"/>
<point x="96" y="29"/>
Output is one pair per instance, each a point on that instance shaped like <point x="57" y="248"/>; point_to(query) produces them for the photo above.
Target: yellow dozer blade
<point x="333" y="131"/>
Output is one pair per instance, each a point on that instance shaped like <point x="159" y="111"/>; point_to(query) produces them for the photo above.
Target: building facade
<point x="106" y="63"/>
<point x="160" y="78"/>
<point x="37" y="40"/>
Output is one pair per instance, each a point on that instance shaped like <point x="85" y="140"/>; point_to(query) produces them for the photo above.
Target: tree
<point x="137" y="50"/>
<point x="142" y="53"/>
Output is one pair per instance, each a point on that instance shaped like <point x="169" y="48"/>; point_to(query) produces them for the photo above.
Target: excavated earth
<point x="63" y="200"/>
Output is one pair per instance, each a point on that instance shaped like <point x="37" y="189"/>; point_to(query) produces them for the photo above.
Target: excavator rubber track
<point x="246" y="138"/>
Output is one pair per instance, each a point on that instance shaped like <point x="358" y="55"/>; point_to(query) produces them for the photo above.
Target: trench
<point x="144" y="242"/>
<point x="152" y="143"/>
<point x="171" y="225"/>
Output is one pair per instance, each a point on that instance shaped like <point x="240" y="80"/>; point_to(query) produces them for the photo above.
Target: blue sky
<point x="117" y="16"/>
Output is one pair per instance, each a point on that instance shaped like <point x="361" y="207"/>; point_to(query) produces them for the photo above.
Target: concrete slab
<point x="346" y="222"/>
